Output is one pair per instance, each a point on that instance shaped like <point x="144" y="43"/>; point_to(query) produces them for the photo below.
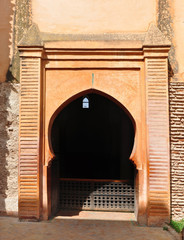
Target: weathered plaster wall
<point x="22" y="21"/>
<point x="97" y="16"/>
<point x="178" y="24"/>
<point x="6" y="36"/>
<point x="170" y="20"/>
<point x="9" y="113"/>
<point x="15" y="18"/>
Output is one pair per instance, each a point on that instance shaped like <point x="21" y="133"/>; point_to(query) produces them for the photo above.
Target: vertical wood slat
<point x="158" y="137"/>
<point x="29" y="138"/>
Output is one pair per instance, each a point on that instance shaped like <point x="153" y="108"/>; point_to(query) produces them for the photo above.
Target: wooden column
<point x="156" y="75"/>
<point x="30" y="134"/>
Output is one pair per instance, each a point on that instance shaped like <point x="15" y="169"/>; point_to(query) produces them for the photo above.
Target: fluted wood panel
<point x="158" y="136"/>
<point x="29" y="139"/>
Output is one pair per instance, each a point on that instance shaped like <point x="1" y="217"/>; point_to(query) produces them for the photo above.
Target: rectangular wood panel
<point x="29" y="139"/>
<point x="158" y="137"/>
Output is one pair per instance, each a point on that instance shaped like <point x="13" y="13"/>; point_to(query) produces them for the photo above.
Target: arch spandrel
<point x="122" y="85"/>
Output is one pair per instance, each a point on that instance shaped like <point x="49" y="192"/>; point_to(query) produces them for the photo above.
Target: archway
<point x="92" y="139"/>
<point x="133" y="72"/>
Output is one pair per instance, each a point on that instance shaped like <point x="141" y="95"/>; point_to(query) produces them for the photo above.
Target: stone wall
<point x="177" y="149"/>
<point x="9" y="122"/>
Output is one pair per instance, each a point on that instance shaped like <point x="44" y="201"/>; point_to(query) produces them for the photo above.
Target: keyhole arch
<point x="86" y="93"/>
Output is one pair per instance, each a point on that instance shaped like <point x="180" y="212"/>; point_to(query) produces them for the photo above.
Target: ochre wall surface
<point x="178" y="25"/>
<point x="126" y="80"/>
<point x="6" y="30"/>
<point x="97" y="16"/>
<point x="86" y="16"/>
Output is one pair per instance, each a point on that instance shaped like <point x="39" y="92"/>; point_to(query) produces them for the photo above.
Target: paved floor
<point x="78" y="229"/>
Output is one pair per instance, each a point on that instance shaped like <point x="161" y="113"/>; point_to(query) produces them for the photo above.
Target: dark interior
<point x="94" y="142"/>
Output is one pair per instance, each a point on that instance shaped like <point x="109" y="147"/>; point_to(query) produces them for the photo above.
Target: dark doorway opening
<point x="92" y="139"/>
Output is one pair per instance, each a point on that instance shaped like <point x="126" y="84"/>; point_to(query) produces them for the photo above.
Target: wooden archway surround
<point x="134" y="74"/>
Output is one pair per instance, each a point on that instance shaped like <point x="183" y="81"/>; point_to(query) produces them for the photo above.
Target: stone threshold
<point x="96" y="215"/>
